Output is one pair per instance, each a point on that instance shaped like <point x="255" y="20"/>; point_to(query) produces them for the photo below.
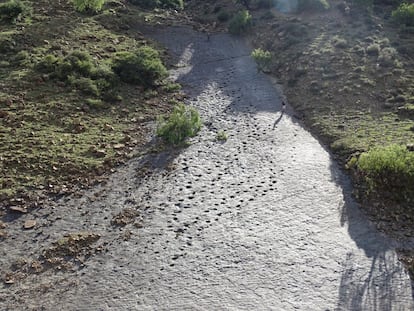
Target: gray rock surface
<point x="262" y="221"/>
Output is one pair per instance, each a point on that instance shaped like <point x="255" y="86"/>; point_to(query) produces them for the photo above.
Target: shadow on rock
<point x="386" y="284"/>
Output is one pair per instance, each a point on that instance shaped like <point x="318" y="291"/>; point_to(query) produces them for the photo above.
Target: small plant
<point x="10" y="10"/>
<point x="182" y="123"/>
<point x="262" y="58"/>
<point x="143" y="67"/>
<point x="339" y="42"/>
<point x="373" y="49"/>
<point x="404" y="14"/>
<point x="387" y="56"/>
<point x="222" y="136"/>
<point x="85" y="85"/>
<point x="171" y="87"/>
<point x="240" y="23"/>
<point x="91" y="6"/>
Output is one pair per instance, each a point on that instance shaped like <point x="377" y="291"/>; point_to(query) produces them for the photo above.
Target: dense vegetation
<point x="74" y="94"/>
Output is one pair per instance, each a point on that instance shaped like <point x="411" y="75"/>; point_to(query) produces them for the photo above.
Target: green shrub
<point x="182" y="123"/>
<point x="387" y="57"/>
<point x="171" y="87"/>
<point x="10" y="10"/>
<point x="222" y="135"/>
<point x="262" y="58"/>
<point x="78" y="62"/>
<point x="91" y="6"/>
<point x="85" y="85"/>
<point x="22" y="57"/>
<point x="79" y="70"/>
<point x="390" y="168"/>
<point x="404" y="14"/>
<point x="313" y="5"/>
<point x="143" y="67"/>
<point x="241" y="22"/>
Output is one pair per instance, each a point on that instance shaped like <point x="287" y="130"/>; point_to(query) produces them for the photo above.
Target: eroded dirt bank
<point x="262" y="221"/>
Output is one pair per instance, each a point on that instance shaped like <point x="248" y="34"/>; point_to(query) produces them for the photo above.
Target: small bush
<point x="22" y="58"/>
<point x="10" y="10"/>
<point x="389" y="168"/>
<point x="262" y="58"/>
<point x="85" y="85"/>
<point x="91" y="6"/>
<point x="171" y="87"/>
<point x="373" y="49"/>
<point x="183" y="122"/>
<point x="339" y="42"/>
<point x="79" y="70"/>
<point x="240" y="23"/>
<point x="312" y="5"/>
<point x="143" y="67"/>
<point x="77" y="63"/>
<point x="222" y="136"/>
<point x="404" y="14"/>
<point x="387" y="57"/>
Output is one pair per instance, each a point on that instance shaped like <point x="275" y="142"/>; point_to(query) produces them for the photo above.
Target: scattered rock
<point x="118" y="146"/>
<point x="18" y="209"/>
<point x="29" y="224"/>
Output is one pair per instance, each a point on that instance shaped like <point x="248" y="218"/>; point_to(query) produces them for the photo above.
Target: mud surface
<point x="261" y="221"/>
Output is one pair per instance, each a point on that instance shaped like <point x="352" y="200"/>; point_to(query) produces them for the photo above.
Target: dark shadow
<point x="386" y="284"/>
<point x="223" y="61"/>
<point x="278" y="119"/>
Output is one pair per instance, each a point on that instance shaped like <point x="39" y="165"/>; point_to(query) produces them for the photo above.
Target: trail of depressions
<point x="262" y="221"/>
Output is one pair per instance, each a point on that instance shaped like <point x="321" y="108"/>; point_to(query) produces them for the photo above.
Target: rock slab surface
<point x="261" y="221"/>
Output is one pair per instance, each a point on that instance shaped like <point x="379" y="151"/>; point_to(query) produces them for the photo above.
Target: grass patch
<point x="57" y="127"/>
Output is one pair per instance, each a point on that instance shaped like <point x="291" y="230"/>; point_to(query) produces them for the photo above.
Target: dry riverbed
<point x="263" y="220"/>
